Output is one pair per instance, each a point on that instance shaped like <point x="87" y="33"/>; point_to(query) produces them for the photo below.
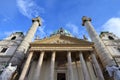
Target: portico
<point x="61" y="57"/>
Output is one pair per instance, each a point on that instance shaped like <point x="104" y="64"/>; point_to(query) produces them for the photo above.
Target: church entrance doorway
<point x="61" y="76"/>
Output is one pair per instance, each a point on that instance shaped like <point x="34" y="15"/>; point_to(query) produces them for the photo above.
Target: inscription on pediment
<point x="61" y="42"/>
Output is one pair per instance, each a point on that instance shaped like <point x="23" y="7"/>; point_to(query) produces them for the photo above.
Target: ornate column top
<point x="84" y="19"/>
<point x="38" y="20"/>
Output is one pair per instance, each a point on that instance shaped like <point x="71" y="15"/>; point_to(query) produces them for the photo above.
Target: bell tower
<point x="8" y="47"/>
<point x="112" y="43"/>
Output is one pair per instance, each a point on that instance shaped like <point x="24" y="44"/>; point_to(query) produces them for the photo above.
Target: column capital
<point x="38" y="19"/>
<point x="84" y="19"/>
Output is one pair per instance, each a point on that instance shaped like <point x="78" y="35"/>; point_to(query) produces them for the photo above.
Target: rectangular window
<point x="61" y="76"/>
<point x="119" y="49"/>
<point x="4" y="50"/>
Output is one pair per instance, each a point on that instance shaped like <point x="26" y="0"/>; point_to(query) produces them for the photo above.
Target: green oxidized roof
<point x="61" y="31"/>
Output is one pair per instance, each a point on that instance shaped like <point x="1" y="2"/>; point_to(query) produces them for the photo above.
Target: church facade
<point x="62" y="56"/>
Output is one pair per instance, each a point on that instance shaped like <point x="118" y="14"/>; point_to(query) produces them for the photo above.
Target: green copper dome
<point x="61" y="31"/>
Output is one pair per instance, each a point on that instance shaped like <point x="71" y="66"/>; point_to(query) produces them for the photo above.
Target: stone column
<point x="103" y="53"/>
<point x="23" y="47"/>
<point x="30" y="34"/>
<point x="39" y="65"/>
<point x="98" y="69"/>
<point x="52" y="67"/>
<point x="70" y="68"/>
<point x="84" y="67"/>
<point x="26" y="66"/>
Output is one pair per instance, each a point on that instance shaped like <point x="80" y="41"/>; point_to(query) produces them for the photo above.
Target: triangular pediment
<point x="61" y="39"/>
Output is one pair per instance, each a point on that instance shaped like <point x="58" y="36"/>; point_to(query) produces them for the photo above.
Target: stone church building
<point x="61" y="56"/>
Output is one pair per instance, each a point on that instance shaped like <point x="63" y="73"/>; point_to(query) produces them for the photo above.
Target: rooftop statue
<point x="114" y="71"/>
<point x="7" y="72"/>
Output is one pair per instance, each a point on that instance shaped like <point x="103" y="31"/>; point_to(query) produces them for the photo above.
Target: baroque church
<point x="61" y="56"/>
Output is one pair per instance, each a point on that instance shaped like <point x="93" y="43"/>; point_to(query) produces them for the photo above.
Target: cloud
<point x="41" y="32"/>
<point x="5" y="20"/>
<point x="8" y="33"/>
<point x="29" y="8"/>
<point x="73" y="28"/>
<point x="112" y="25"/>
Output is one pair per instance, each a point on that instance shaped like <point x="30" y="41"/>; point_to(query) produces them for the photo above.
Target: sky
<point x="16" y="15"/>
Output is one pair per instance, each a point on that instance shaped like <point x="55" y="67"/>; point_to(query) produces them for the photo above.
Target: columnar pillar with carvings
<point x="26" y="66"/>
<point x="103" y="53"/>
<point x="70" y="68"/>
<point x="52" y="65"/>
<point x="39" y="65"/>
<point x="22" y="49"/>
<point x="84" y="67"/>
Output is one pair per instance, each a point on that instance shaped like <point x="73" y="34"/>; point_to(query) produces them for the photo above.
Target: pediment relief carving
<point x="61" y="42"/>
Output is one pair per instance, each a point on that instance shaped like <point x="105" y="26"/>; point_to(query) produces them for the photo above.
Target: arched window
<point x="110" y="37"/>
<point x="13" y="38"/>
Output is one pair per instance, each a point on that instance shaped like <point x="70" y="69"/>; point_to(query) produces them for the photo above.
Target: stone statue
<point x="114" y="71"/>
<point x="7" y="72"/>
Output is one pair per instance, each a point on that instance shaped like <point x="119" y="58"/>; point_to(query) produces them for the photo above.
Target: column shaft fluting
<point x="26" y="66"/>
<point x="39" y="65"/>
<point x="98" y="69"/>
<point x="84" y="67"/>
<point x="52" y="66"/>
<point x="102" y="51"/>
<point x="70" y="68"/>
